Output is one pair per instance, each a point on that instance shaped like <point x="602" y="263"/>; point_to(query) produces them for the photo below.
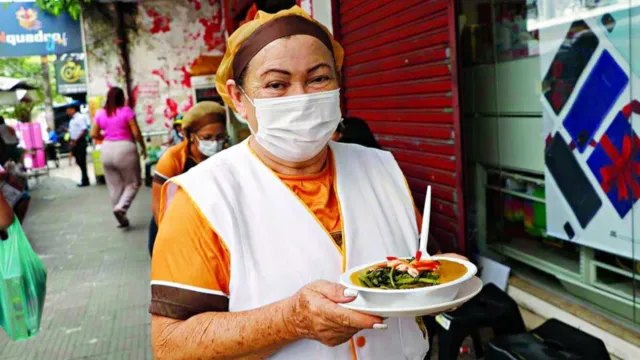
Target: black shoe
<point x="83" y="185"/>
<point x="122" y="219"/>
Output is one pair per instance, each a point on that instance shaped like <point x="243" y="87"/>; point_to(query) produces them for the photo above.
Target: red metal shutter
<point x="400" y="76"/>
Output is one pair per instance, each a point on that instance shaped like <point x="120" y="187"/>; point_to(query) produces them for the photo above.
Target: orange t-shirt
<point x="171" y="163"/>
<point x="190" y="268"/>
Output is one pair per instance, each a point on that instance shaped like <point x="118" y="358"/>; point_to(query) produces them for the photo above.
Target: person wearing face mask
<point x="252" y="242"/>
<point x="204" y="127"/>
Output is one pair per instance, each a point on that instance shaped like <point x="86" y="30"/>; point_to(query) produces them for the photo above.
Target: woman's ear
<point x="236" y="96"/>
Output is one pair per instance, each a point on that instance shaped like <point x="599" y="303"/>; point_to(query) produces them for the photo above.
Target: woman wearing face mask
<point x="252" y="243"/>
<point x="204" y="127"/>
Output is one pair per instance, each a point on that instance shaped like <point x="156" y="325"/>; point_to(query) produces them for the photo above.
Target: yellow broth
<point x="448" y="271"/>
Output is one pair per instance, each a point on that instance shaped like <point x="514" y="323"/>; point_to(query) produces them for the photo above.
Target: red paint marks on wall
<point x="134" y="95"/>
<point x="212" y="37"/>
<point x="171" y="110"/>
<point x="186" y="77"/>
<point x="196" y="4"/>
<point x="161" y="23"/>
<point x="149" y="118"/>
<point x="194" y="36"/>
<point x="188" y="105"/>
<point x="160" y="73"/>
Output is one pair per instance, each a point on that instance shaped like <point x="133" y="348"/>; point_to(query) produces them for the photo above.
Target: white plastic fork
<point x="424" y="232"/>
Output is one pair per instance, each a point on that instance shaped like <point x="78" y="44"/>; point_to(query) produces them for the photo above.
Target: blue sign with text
<point x="26" y="30"/>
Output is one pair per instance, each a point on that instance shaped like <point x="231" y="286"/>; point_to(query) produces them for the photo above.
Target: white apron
<point x="277" y="245"/>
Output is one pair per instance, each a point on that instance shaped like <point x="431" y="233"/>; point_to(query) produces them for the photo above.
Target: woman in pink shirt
<point x="116" y="125"/>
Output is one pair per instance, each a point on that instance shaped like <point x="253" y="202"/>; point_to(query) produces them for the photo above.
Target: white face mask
<point x="209" y="148"/>
<point x="296" y="128"/>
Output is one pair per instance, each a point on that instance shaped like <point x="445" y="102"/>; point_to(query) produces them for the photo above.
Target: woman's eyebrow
<point x="321" y="65"/>
<point x="279" y="71"/>
<point x="288" y="73"/>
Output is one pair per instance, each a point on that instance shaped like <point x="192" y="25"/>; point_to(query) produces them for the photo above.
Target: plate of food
<point x="466" y="292"/>
<point x="400" y="283"/>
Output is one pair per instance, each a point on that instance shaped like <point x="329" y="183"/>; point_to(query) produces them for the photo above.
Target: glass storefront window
<point x="498" y="29"/>
<point x="551" y="104"/>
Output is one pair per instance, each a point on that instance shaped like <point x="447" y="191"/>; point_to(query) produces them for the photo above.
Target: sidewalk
<point x="98" y="275"/>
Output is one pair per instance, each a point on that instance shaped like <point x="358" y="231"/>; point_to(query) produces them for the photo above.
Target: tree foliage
<point x="57" y="7"/>
<point x="28" y="69"/>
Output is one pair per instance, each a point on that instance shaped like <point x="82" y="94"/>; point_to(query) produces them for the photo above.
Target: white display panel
<point x="591" y="127"/>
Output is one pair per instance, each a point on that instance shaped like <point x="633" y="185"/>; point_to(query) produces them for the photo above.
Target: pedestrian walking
<point x="116" y="124"/>
<point x="78" y="134"/>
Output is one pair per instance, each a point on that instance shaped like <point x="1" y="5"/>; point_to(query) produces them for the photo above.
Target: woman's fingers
<point x="353" y="319"/>
<point x="334" y="292"/>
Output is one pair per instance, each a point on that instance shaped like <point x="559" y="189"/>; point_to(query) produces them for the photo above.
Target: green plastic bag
<point x="23" y="284"/>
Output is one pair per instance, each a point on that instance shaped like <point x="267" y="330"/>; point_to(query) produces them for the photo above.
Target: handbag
<point x="23" y="281"/>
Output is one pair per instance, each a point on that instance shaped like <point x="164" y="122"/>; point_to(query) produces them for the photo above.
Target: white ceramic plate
<point x="468" y="289"/>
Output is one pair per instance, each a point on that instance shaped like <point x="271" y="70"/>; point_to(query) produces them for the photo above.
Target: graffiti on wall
<point x="170" y="37"/>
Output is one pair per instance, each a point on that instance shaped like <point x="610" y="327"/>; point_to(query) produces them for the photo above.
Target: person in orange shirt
<point x="204" y="126"/>
<point x="252" y="241"/>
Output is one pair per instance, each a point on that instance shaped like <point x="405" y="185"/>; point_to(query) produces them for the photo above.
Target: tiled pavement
<point x="97" y="286"/>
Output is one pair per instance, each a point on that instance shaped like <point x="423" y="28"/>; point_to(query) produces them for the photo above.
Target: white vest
<point x="277" y="245"/>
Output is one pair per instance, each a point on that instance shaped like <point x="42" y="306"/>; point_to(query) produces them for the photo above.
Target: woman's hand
<point x="316" y="315"/>
<point x="144" y="153"/>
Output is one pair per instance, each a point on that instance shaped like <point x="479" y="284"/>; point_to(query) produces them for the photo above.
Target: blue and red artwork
<point x="597" y="96"/>
<point x="615" y="162"/>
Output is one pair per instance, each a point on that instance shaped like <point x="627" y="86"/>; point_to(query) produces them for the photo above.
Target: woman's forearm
<point x="253" y="334"/>
<point x="95" y="131"/>
<point x="137" y="134"/>
<point x="140" y="141"/>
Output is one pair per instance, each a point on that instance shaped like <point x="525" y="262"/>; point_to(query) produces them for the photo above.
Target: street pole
<point x="46" y="86"/>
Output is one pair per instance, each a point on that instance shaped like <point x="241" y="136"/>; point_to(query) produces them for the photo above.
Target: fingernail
<point x="350" y="292"/>
<point x="379" y="326"/>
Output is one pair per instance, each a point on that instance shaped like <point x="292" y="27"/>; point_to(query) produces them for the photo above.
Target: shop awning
<point x="11" y="84"/>
<point x="13" y="91"/>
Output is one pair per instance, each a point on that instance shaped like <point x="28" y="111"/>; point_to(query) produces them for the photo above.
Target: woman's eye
<point x="320" y="79"/>
<point x="276" y="86"/>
